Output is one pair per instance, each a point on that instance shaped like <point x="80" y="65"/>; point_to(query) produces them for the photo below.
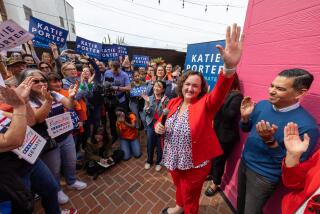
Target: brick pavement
<point x="129" y="188"/>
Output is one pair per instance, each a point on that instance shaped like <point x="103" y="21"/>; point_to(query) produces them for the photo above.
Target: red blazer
<point x="205" y="144"/>
<point x="304" y="179"/>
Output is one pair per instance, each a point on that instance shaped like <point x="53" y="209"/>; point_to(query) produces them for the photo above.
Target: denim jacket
<point x="155" y="106"/>
<point x="83" y="92"/>
<point x="169" y="92"/>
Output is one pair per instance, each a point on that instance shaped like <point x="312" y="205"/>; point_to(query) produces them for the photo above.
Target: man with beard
<point x="260" y="167"/>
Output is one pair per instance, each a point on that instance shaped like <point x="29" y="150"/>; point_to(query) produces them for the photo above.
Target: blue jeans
<point x="41" y="181"/>
<point x="64" y="155"/>
<point x="153" y="140"/>
<point x="140" y="114"/>
<point x="130" y="148"/>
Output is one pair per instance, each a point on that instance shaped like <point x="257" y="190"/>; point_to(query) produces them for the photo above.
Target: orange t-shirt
<point x="127" y="132"/>
<point x="6" y="107"/>
<point x="79" y="107"/>
<point x="169" y="75"/>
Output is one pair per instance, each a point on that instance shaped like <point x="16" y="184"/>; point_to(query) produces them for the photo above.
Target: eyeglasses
<point x="44" y="67"/>
<point x="40" y="80"/>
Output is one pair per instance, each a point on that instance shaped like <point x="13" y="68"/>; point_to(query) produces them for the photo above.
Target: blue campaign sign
<point x="92" y="49"/>
<point x="45" y="33"/>
<point x="138" y="90"/>
<point x="205" y="58"/>
<point x="122" y="50"/>
<point x="140" y="60"/>
<point x="109" y="52"/>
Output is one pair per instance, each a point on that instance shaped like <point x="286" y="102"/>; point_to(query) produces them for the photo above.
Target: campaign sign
<point x="60" y="124"/>
<point x="32" y="146"/>
<point x="45" y="33"/>
<point x="92" y="49"/>
<point x="109" y="52"/>
<point x="205" y="58"/>
<point x="12" y="35"/>
<point x="130" y="75"/>
<point x="140" y="60"/>
<point x="138" y="90"/>
<point x="122" y="50"/>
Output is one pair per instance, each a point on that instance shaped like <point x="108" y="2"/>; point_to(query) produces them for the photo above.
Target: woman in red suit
<point x="189" y="139"/>
<point x="303" y="178"/>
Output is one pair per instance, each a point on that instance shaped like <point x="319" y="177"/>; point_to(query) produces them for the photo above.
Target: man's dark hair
<point x="27" y="55"/>
<point x="115" y="64"/>
<point x="302" y="78"/>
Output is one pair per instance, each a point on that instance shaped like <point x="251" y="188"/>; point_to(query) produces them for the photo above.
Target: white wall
<point x="48" y="10"/>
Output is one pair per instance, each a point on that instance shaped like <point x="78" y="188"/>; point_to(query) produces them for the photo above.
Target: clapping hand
<point x="265" y="130"/>
<point x="73" y="90"/>
<point x="23" y="90"/>
<point x="91" y="78"/>
<point x="246" y="108"/>
<point x="46" y="94"/>
<point x="145" y="97"/>
<point x="11" y="97"/>
<point x="231" y="54"/>
<point x="146" y="100"/>
<point x="294" y="145"/>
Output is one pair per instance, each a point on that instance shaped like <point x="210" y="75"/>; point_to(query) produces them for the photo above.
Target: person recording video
<point x="120" y="84"/>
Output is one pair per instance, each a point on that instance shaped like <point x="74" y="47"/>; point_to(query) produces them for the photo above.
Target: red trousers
<point x="188" y="187"/>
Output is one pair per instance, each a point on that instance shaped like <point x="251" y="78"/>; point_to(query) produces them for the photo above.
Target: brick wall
<point x="278" y="35"/>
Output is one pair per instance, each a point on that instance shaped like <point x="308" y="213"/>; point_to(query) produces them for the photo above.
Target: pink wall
<point x="278" y="35"/>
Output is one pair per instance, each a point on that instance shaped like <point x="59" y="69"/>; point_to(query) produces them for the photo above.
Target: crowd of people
<point x="192" y="131"/>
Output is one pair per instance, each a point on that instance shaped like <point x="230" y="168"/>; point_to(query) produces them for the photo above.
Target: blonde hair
<point x="64" y="67"/>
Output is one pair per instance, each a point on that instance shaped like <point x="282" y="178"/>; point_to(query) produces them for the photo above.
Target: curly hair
<point x="184" y="77"/>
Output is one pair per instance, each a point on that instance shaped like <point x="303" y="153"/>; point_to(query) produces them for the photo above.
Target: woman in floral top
<point x="189" y="139"/>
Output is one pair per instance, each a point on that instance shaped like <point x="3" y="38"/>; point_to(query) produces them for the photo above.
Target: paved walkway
<point x="129" y="188"/>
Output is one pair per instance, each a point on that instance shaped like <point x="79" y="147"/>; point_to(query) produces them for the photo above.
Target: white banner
<point x="31" y="147"/>
<point x="59" y="124"/>
<point x="12" y="35"/>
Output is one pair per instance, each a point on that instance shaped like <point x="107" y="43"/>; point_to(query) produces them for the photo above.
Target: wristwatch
<point x="270" y="142"/>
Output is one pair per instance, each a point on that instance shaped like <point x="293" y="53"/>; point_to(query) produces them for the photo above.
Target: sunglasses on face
<point x="44" y="67"/>
<point x="40" y="80"/>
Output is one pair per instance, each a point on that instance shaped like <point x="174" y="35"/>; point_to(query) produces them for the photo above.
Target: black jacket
<point x="226" y="122"/>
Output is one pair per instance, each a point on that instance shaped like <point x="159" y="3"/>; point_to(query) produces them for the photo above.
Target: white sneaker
<point x="158" y="168"/>
<point x="62" y="197"/>
<point x="78" y="185"/>
<point x="69" y="211"/>
<point x="147" y="165"/>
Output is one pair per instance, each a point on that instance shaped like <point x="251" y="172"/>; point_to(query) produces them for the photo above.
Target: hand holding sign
<point x="54" y="49"/>
<point x="231" y="54"/>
